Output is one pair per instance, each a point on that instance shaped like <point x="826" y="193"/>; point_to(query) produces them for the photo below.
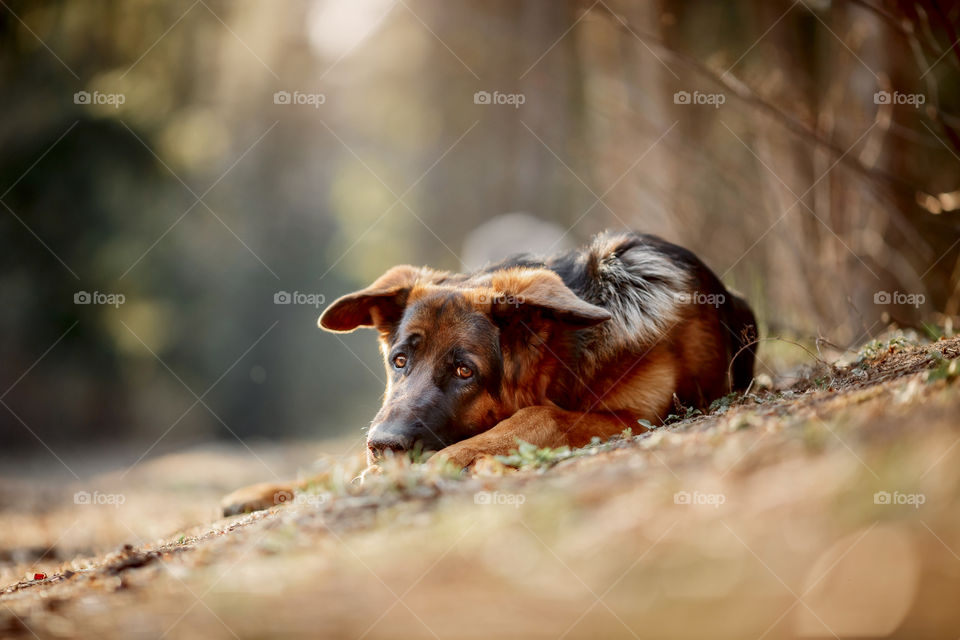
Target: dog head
<point x="461" y="353"/>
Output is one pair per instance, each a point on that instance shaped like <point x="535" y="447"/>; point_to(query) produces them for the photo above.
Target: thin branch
<point x="757" y="341"/>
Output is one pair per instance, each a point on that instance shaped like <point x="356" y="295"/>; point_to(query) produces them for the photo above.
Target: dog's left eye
<point x="464" y="372"/>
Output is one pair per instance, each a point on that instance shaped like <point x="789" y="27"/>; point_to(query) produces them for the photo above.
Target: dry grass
<point x="761" y="519"/>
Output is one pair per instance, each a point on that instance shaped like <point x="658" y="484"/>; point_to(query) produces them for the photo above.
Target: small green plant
<point x="529" y="456"/>
<point x="688" y="412"/>
<point x="933" y="331"/>
<point x="944" y="370"/>
<point x="416" y="455"/>
<point x="876" y="348"/>
<point x="720" y="405"/>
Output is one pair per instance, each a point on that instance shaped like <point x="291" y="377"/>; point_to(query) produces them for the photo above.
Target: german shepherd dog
<point x="553" y="351"/>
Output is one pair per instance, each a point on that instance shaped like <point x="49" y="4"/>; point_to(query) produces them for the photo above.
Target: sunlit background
<point x="203" y="160"/>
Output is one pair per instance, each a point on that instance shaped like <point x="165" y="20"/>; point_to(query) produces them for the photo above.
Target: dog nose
<point x="382" y="440"/>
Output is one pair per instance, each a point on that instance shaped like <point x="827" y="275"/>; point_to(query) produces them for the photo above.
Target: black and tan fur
<point x="558" y="350"/>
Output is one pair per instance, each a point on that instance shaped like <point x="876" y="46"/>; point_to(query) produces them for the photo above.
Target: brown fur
<point x="546" y="365"/>
<point x="551" y="392"/>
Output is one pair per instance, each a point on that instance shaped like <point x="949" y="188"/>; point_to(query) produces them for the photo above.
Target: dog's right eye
<point x="400" y="361"/>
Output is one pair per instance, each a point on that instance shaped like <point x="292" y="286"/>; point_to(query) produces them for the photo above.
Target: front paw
<point x="256" y="498"/>
<point x="366" y="474"/>
<point x="457" y="456"/>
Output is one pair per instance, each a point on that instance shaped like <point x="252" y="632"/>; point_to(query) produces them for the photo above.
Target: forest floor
<point x="826" y="509"/>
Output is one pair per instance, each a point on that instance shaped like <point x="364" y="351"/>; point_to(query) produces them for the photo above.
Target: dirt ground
<point x="828" y="509"/>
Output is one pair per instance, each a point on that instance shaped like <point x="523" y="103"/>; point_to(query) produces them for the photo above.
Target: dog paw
<point x="256" y="497"/>
<point x="369" y="472"/>
<point x="460" y="457"/>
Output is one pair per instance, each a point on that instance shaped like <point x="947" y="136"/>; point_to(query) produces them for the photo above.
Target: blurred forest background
<point x="808" y="151"/>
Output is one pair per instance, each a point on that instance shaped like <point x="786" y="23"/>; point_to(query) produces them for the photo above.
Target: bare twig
<point x="768" y="339"/>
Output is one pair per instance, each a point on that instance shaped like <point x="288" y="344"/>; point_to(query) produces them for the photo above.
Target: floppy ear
<point x="542" y="290"/>
<point x="379" y="305"/>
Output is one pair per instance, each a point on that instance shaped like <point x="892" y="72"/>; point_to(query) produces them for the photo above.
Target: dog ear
<point x="380" y="305"/>
<point x="541" y="290"/>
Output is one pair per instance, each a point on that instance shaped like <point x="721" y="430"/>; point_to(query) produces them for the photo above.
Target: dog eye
<point x="464" y="372"/>
<point x="399" y="361"/>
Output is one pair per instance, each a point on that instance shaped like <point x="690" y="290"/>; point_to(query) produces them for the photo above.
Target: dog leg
<point x="262" y="496"/>
<point x="542" y="426"/>
<point x="258" y="497"/>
